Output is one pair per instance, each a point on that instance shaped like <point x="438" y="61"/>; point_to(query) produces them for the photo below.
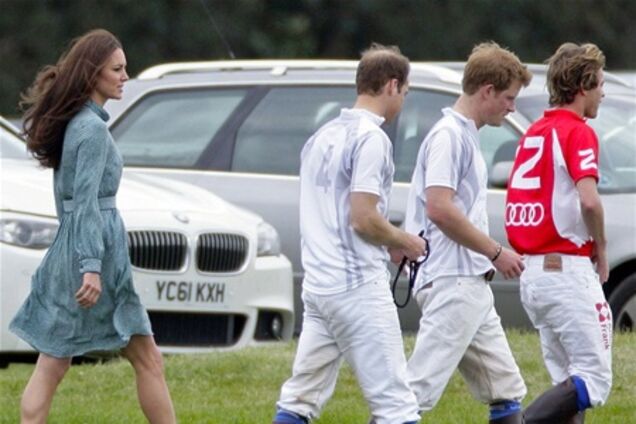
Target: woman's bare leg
<point x="152" y="390"/>
<point x="39" y="391"/>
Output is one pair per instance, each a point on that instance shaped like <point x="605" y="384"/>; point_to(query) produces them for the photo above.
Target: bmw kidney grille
<point x="221" y="252"/>
<point x="167" y="251"/>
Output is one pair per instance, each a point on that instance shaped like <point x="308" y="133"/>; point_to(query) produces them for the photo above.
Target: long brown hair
<point x="59" y="92"/>
<point x="573" y="68"/>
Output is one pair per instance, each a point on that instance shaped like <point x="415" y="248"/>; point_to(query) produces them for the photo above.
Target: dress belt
<point x="104" y="203"/>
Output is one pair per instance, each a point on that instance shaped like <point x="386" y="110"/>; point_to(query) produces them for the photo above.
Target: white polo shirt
<point x="348" y="154"/>
<point x="449" y="157"/>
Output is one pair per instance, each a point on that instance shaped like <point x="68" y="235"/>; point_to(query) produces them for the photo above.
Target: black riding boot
<point x="578" y="418"/>
<point x="554" y="406"/>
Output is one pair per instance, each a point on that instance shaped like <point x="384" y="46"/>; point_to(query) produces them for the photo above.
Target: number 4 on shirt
<point x="322" y="177"/>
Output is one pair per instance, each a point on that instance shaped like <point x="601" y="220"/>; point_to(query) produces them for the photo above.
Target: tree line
<point x="34" y="32"/>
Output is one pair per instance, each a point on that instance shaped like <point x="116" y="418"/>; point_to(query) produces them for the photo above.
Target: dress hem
<point x="115" y="345"/>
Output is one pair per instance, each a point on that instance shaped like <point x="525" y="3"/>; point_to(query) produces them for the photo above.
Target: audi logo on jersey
<point x="524" y="214"/>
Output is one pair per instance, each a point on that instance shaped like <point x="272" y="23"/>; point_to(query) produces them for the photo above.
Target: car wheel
<point x="623" y="303"/>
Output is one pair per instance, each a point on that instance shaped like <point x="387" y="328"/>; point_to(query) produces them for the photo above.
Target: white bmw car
<point x="210" y="274"/>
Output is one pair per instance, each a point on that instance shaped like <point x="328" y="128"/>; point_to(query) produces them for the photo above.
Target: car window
<point x="172" y="128"/>
<point x="498" y="144"/>
<point x="270" y="139"/>
<point x="421" y="110"/>
<point x="11" y="147"/>
<point x="615" y="127"/>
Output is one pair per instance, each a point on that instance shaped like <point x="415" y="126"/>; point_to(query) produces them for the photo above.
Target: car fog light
<point x="276" y="327"/>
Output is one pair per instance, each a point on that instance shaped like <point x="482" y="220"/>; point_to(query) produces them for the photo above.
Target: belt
<point x="557" y="262"/>
<point x="489" y="275"/>
<point x="104" y="203"/>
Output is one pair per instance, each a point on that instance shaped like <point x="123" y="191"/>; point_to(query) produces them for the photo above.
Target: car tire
<point x="623" y="304"/>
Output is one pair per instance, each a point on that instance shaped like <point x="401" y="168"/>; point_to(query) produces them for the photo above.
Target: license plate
<point x="190" y="291"/>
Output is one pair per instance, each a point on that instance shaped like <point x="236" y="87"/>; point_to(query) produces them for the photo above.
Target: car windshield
<point x="615" y="126"/>
<point x="11" y="146"/>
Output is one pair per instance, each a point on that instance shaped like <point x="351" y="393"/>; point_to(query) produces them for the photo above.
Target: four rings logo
<point x="524" y="214"/>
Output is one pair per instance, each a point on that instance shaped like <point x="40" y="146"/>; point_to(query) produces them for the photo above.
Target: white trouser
<point x="574" y="320"/>
<point x="362" y="327"/>
<point x="460" y="328"/>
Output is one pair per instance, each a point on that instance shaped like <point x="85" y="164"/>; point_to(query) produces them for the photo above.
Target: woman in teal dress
<point x="82" y="297"/>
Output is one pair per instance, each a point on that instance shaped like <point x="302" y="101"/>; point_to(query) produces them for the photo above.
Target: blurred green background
<point x="34" y="33"/>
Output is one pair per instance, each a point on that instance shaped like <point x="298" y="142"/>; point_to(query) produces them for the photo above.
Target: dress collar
<point x="97" y="109"/>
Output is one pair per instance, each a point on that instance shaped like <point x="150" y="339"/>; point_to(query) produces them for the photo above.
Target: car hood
<point x="27" y="188"/>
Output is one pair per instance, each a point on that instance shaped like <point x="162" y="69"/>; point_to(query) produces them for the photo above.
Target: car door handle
<point x="396" y="218"/>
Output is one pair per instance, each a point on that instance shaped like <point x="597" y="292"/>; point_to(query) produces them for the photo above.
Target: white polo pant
<point x="574" y="321"/>
<point x="460" y="328"/>
<point x="362" y="327"/>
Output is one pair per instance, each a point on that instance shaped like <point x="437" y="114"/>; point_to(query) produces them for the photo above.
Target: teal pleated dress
<point x="91" y="238"/>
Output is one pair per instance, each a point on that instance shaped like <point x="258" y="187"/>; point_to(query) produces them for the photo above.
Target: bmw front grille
<point x="167" y="251"/>
<point x="221" y="252"/>
<point x="157" y="250"/>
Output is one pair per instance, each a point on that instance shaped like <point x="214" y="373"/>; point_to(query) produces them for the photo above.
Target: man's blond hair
<point x="491" y="64"/>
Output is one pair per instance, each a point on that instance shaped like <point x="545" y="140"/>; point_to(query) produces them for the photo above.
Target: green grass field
<point x="243" y="386"/>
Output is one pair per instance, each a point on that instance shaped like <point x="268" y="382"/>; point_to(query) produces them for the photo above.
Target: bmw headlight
<point x="29" y="231"/>
<point x="268" y="240"/>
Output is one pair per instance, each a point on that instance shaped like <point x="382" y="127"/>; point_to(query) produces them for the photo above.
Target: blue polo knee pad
<point x="287" y="417"/>
<point x="503" y="409"/>
<point x="582" y="396"/>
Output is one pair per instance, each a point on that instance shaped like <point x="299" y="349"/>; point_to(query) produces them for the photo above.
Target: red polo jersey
<point x="543" y="213"/>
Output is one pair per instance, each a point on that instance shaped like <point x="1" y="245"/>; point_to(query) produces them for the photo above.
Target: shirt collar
<point x="97" y="109"/>
<point x="357" y="112"/>
<point x="469" y="123"/>
<point x="563" y="113"/>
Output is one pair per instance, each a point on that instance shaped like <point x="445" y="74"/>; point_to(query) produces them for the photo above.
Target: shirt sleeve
<point x="582" y="153"/>
<point x="370" y="164"/>
<point x="87" y="219"/>
<point x="442" y="158"/>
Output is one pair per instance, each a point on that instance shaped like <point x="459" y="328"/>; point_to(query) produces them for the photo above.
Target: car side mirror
<point x="500" y="173"/>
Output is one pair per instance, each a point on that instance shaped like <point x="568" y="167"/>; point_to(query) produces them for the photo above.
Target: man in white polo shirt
<point x="459" y="327"/>
<point x="554" y="217"/>
<point x="345" y="181"/>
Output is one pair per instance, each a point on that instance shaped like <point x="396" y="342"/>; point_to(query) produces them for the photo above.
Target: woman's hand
<point x="88" y="294"/>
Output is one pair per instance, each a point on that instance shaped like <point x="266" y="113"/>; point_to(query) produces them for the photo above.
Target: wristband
<point x="497" y="253"/>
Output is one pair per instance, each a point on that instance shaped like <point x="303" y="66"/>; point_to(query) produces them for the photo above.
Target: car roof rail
<point x="278" y="67"/>
<point x="9" y="125"/>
